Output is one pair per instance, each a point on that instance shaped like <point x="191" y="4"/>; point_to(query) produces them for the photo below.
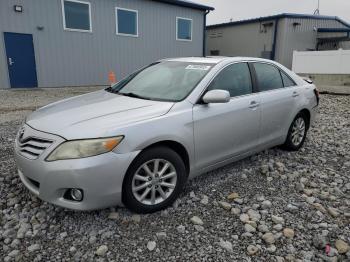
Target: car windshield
<point x="164" y="81"/>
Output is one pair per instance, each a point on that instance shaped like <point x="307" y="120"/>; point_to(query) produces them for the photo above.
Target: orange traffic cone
<point x="111" y="78"/>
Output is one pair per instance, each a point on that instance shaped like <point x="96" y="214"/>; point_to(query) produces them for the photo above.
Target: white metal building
<point x="276" y="37"/>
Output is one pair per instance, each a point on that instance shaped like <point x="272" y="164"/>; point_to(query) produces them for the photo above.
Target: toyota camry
<point x="136" y="143"/>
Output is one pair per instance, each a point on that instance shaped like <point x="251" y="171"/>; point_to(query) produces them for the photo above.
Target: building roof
<point x="280" y="16"/>
<point x="186" y="3"/>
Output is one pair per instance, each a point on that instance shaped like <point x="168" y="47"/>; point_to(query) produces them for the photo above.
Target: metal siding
<point x="281" y="40"/>
<point x="242" y="40"/>
<point x="302" y="37"/>
<point x="345" y="45"/>
<point x="67" y="58"/>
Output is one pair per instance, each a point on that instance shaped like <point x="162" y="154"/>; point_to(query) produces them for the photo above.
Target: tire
<point x="143" y="190"/>
<point x="292" y="143"/>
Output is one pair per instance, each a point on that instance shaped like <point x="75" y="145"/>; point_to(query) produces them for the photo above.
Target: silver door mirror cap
<point x="216" y="96"/>
<point x="308" y="80"/>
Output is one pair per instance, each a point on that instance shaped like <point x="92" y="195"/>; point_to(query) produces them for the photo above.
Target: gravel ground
<point x="16" y="104"/>
<point x="274" y="206"/>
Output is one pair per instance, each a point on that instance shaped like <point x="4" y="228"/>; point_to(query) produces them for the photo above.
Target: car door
<point x="277" y="102"/>
<point x="225" y="130"/>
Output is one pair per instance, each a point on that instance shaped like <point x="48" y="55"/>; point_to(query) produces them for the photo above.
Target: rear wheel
<point x="297" y="133"/>
<point x="154" y="180"/>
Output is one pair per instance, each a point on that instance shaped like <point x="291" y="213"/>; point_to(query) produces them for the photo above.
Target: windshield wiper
<point x="111" y="90"/>
<point x="131" y="94"/>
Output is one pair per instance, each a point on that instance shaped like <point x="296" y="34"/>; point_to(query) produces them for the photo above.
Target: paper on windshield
<point x="198" y="67"/>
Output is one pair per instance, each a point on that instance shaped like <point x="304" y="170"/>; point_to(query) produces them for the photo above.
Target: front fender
<point x="175" y="126"/>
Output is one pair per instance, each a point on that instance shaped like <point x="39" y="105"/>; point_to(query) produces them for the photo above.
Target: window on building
<point x="183" y="29"/>
<point x="76" y="15"/>
<point x="268" y="77"/>
<point x="127" y="22"/>
<point x="234" y="78"/>
<point x="287" y="81"/>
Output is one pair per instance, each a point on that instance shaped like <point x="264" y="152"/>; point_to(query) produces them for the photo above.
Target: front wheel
<point x="154" y="180"/>
<point x="297" y="133"/>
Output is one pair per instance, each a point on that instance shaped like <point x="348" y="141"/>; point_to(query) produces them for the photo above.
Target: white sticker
<point x="198" y="67"/>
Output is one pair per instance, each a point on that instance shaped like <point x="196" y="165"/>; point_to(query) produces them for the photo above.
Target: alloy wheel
<point x="298" y="131"/>
<point x="154" y="181"/>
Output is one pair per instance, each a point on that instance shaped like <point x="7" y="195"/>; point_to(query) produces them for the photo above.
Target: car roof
<point x="215" y="59"/>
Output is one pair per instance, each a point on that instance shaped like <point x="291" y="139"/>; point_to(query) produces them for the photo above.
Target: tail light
<point x="317" y="94"/>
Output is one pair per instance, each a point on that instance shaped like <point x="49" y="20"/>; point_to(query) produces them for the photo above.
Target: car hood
<point x="95" y="114"/>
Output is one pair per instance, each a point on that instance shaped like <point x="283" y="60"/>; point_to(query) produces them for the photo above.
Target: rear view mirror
<point x="216" y="96"/>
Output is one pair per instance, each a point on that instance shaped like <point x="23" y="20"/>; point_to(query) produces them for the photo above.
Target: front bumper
<point x="100" y="177"/>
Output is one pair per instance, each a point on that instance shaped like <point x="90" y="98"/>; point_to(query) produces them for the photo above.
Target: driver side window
<point x="235" y="79"/>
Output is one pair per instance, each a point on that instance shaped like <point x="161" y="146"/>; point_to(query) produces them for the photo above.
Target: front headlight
<point x="84" y="148"/>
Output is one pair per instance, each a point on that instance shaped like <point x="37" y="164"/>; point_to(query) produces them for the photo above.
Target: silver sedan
<point x="137" y="142"/>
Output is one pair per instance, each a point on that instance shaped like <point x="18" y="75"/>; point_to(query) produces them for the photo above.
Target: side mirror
<point x="308" y="80"/>
<point x="216" y="96"/>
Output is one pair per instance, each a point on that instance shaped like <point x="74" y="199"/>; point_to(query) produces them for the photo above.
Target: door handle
<point x="295" y="94"/>
<point x="10" y="61"/>
<point x="253" y="104"/>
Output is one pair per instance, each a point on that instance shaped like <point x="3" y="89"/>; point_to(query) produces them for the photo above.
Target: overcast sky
<point x="244" y="9"/>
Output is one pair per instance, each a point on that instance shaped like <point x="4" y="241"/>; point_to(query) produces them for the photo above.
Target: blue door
<point x="20" y="60"/>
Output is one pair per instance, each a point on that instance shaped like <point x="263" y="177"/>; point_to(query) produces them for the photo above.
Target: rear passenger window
<point x="234" y="78"/>
<point x="287" y="81"/>
<point x="268" y="77"/>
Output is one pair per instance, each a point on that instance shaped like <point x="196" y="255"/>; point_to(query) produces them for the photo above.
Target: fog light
<point x="76" y="194"/>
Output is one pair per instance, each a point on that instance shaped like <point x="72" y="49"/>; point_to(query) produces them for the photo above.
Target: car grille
<point x="33" y="147"/>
